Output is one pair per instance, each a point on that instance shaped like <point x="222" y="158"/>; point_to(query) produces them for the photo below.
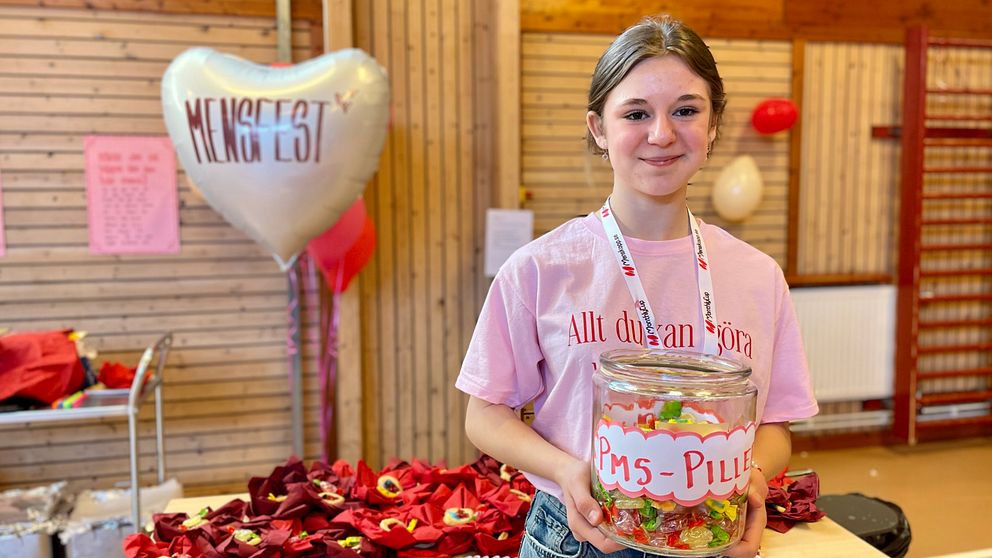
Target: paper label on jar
<point x="685" y="466"/>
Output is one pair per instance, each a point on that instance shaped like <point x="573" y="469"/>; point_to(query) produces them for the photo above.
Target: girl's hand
<point x="757" y="517"/>
<point x="583" y="510"/>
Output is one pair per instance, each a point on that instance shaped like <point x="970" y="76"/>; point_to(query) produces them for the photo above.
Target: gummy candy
<point x="665" y="526"/>
<point x="696" y="537"/>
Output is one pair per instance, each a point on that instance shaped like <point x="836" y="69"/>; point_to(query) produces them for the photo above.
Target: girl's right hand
<point x="584" y="513"/>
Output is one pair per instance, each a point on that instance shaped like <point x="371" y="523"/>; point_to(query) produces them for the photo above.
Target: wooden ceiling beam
<point x="876" y="21"/>
<point x="301" y="9"/>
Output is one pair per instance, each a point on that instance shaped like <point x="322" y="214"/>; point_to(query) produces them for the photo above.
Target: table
<point x="823" y="539"/>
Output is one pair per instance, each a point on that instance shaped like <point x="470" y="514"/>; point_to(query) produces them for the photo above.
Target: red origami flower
<point x="794" y="503"/>
<point x="410" y="510"/>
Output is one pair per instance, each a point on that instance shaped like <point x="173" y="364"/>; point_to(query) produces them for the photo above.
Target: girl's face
<point x="656" y="127"/>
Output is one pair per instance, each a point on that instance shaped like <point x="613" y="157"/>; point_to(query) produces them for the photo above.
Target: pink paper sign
<point x="3" y="238"/>
<point x="131" y="195"/>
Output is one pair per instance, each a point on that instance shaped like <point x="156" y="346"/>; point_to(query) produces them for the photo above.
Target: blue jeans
<point x="547" y="534"/>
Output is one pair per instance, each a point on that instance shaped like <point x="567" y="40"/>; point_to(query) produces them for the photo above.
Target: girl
<point x="655" y="104"/>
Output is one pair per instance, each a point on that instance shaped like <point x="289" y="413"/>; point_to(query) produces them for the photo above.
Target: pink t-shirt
<point x="561" y="300"/>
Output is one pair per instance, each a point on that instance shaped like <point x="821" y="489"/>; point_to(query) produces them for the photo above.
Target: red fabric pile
<point x="42" y="366"/>
<point x="115" y="375"/>
<point x="409" y="510"/>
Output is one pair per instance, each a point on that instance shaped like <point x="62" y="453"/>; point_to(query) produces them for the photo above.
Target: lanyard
<point x="707" y="305"/>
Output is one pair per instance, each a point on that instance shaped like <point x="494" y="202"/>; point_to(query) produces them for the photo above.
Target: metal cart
<point x="119" y="403"/>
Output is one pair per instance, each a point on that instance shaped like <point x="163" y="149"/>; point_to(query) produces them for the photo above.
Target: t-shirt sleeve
<point x="502" y="365"/>
<point x="790" y="393"/>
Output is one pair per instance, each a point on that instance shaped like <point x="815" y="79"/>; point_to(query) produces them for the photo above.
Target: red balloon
<point x="340" y="273"/>
<point x="330" y="246"/>
<point x="774" y="115"/>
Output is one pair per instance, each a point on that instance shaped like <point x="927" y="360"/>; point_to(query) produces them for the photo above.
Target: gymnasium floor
<point x="945" y="489"/>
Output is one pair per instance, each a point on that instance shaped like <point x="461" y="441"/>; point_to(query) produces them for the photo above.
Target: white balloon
<point x="737" y="190"/>
<point x="280" y="153"/>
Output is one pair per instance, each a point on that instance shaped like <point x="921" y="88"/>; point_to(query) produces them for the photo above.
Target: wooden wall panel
<point x="561" y="180"/>
<point x="68" y="73"/>
<point x="883" y="21"/>
<point x="887" y="20"/>
<point x="849" y="181"/>
<point x="423" y="289"/>
<point x="301" y="9"/>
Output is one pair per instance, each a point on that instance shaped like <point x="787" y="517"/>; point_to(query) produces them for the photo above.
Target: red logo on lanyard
<point x="637" y="293"/>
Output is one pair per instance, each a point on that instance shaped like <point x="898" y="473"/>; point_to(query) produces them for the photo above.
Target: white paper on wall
<point x="506" y="230"/>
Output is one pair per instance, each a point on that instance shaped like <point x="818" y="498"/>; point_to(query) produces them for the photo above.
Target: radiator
<point x="850" y="340"/>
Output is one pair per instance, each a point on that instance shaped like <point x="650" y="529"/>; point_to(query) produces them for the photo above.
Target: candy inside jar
<point x="672" y="450"/>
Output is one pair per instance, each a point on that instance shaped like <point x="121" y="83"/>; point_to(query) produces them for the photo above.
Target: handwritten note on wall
<point x="131" y="195"/>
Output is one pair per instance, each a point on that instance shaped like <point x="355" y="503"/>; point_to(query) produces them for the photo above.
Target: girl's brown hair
<point x="649" y="38"/>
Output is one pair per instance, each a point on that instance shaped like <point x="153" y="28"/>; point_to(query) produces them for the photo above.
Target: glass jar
<point x="672" y="439"/>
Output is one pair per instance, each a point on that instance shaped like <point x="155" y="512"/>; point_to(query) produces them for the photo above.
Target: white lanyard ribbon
<point x="707" y="305"/>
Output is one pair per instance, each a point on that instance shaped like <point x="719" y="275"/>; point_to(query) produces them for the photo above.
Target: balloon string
<point x="330" y="320"/>
<point x="293" y="307"/>
<point x="293" y="351"/>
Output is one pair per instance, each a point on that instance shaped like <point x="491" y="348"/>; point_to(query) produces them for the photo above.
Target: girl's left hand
<point x="583" y="511"/>
<point x="756" y="520"/>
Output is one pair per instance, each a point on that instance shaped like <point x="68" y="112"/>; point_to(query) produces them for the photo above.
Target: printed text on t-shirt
<point x="589" y="326"/>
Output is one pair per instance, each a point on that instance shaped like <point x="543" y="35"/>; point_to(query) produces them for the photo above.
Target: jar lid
<point x="653" y="365"/>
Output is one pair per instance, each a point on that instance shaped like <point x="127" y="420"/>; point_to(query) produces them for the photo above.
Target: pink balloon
<point x="331" y="246"/>
<point x="774" y="115"/>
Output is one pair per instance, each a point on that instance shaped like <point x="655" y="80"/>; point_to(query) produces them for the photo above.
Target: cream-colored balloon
<point x="280" y="153"/>
<point x="737" y="190"/>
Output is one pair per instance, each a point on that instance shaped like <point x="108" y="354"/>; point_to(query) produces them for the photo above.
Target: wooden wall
<point x="845" y="181"/>
<point x="423" y="290"/>
<point x="848" y="180"/>
<point x="309" y="10"/>
<point x="561" y="180"/>
<point x="846" y="81"/>
<point x="75" y="71"/>
<point x="68" y="73"/>
<point x="90" y="67"/>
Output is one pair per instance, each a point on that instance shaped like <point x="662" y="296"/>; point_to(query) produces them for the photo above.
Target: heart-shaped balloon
<point x="281" y="153"/>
